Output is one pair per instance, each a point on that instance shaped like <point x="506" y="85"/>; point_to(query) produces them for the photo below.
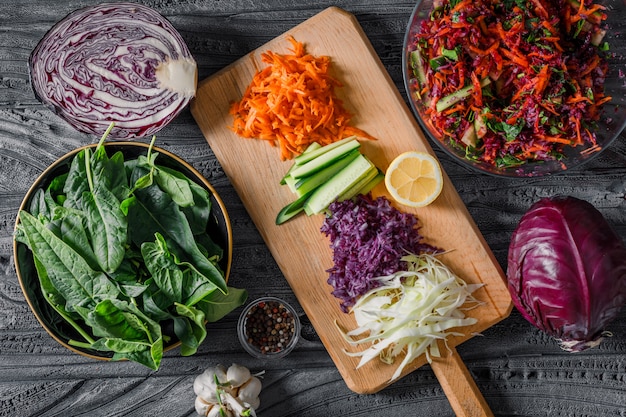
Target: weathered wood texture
<point x="519" y="370"/>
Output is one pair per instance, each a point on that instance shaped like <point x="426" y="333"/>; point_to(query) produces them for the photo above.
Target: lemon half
<point x="414" y="179"/>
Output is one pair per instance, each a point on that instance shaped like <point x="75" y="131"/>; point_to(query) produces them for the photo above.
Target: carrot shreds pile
<point x="513" y="81"/>
<point x="291" y="103"/>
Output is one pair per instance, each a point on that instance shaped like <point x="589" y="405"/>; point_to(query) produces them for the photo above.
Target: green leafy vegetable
<point x="121" y="247"/>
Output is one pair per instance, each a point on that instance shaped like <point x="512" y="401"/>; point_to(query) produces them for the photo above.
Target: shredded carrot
<point x="291" y="103"/>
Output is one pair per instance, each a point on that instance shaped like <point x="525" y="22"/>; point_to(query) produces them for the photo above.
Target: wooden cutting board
<point x="300" y="249"/>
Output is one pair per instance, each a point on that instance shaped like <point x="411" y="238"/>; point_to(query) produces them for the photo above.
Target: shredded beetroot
<point x="368" y="238"/>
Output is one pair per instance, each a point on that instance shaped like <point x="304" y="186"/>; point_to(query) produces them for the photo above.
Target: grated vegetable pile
<point x="368" y="239"/>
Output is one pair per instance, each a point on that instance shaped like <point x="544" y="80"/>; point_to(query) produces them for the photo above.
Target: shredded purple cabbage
<point x="368" y="238"/>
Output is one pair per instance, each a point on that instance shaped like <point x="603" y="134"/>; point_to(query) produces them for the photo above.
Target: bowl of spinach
<point x="123" y="251"/>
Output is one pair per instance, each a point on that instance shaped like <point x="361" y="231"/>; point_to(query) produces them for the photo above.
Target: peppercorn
<point x="269" y="326"/>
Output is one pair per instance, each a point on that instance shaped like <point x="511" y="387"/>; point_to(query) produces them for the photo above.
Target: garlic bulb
<point x="232" y="392"/>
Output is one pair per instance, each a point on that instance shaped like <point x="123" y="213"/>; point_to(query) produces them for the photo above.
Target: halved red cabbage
<point x="117" y="62"/>
<point x="567" y="271"/>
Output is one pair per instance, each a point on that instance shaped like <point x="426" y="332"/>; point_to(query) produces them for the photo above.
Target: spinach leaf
<point x="108" y="227"/>
<point x="209" y="248"/>
<point x="178" y="188"/>
<point x="217" y="305"/>
<point x="155" y="302"/>
<point x="56" y="301"/>
<point x="163" y="268"/>
<point x="131" y="275"/>
<point x="76" y="183"/>
<point x="154" y="211"/>
<point x="67" y="270"/>
<point x="38" y="204"/>
<point x="150" y="357"/>
<point x="172" y="182"/>
<point x="71" y="229"/>
<point x="198" y="214"/>
<point x="55" y="189"/>
<point x="191" y="197"/>
<point x="65" y="222"/>
<point x="110" y="172"/>
<point x="124" y="329"/>
<point x="195" y="285"/>
<point x="114" y="319"/>
<point x="190" y="328"/>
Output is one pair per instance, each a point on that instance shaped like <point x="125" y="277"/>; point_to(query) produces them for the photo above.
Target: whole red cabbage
<point x="114" y="62"/>
<point x="567" y="271"/>
<point x="368" y="239"/>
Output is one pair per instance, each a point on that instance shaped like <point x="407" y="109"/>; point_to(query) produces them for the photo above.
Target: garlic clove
<point x="237" y="375"/>
<point x="249" y="392"/>
<point x="204" y="387"/>
<point x="253" y="403"/>
<point x="202" y="407"/>
<point x="235" y="404"/>
<point x="220" y="372"/>
<point x="218" y="411"/>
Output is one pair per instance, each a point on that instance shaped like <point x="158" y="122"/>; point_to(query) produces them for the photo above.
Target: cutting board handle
<point x="459" y="386"/>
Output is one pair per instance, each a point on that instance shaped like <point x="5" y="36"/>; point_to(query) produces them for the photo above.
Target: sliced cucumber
<point x="292" y="209"/>
<point x="290" y="182"/>
<point x="324" y="160"/>
<point x="364" y="186"/>
<point x="458" y="95"/>
<point x="308" y="156"/>
<point x="347" y="178"/>
<point x="307" y="184"/>
<point x="313" y="146"/>
<point x="380" y="176"/>
<point x="417" y="63"/>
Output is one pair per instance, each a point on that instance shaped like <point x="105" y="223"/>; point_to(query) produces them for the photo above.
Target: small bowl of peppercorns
<point x="268" y="328"/>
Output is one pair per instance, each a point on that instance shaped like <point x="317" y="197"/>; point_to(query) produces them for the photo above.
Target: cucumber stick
<point x="307" y="184"/>
<point x="313" y="146"/>
<point x="308" y="156"/>
<point x="458" y="95"/>
<point x="343" y="181"/>
<point x="324" y="174"/>
<point x="417" y="63"/>
<point x="364" y="186"/>
<point x="292" y="209"/>
<point x="325" y="159"/>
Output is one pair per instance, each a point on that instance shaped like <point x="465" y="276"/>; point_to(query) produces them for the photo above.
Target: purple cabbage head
<point x="567" y="271"/>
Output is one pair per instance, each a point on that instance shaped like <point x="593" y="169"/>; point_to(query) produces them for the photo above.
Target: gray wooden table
<point x="520" y="371"/>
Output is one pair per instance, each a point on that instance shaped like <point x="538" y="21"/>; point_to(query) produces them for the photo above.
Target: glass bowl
<point x="268" y="328"/>
<point x="218" y="228"/>
<point x="607" y="129"/>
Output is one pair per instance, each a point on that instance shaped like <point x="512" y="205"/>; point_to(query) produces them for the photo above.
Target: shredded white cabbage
<point x="410" y="311"/>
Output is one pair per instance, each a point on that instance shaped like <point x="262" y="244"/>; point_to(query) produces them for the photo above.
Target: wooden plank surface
<point x="300" y="249"/>
<point x="519" y="370"/>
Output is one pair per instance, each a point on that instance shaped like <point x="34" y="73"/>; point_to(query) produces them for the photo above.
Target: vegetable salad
<point x="512" y="81"/>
